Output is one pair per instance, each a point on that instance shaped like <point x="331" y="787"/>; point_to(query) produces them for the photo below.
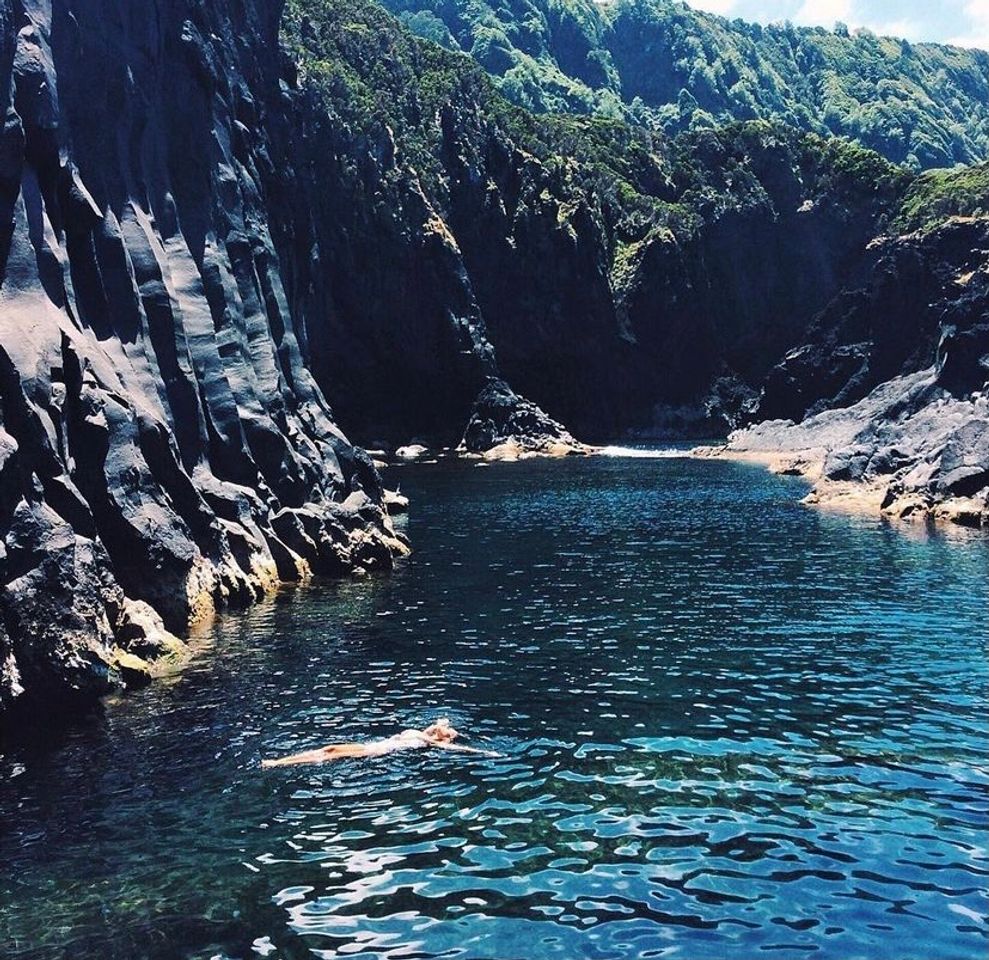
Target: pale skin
<point x="440" y="735"/>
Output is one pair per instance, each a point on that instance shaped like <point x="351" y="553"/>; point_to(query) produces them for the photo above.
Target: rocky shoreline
<point x="229" y="228"/>
<point x="884" y="406"/>
<point x="908" y="451"/>
<point x="865" y="498"/>
<point x="164" y="449"/>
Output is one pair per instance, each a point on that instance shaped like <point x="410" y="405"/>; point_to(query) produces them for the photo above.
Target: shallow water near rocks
<point x="732" y="726"/>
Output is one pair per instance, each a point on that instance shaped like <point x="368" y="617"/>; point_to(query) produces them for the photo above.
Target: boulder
<point x="141" y="631"/>
<point x="134" y="671"/>
<point x="411" y="451"/>
<point x="395" y="502"/>
<point x="55" y="603"/>
<point x="505" y="426"/>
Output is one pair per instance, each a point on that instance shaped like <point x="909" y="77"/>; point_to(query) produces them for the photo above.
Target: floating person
<point x="439" y="734"/>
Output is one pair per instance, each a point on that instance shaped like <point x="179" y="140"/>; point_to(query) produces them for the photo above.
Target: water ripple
<point x="727" y="724"/>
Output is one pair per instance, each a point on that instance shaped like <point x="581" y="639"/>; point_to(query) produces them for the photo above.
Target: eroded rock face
<point x="924" y="299"/>
<point x="504" y="425"/>
<point x="164" y="448"/>
<point x="889" y="394"/>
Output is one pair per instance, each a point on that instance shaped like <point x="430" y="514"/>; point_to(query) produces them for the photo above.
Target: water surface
<point x="732" y="726"/>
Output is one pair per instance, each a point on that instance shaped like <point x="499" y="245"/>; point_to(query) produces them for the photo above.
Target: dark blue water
<point x="732" y="726"/>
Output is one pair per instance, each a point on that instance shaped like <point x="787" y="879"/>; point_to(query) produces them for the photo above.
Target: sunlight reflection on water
<point x="731" y="724"/>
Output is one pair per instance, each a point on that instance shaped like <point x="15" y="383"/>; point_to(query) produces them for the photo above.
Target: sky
<point x="962" y="22"/>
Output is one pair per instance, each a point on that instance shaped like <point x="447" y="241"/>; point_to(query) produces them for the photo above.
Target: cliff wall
<point x="164" y="447"/>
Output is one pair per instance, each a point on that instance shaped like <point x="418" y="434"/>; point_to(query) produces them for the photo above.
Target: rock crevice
<point x="164" y="448"/>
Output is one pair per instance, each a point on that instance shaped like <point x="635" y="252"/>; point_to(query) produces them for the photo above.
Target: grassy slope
<point x="939" y="194"/>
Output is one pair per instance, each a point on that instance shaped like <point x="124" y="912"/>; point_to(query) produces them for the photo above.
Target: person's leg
<point x="340" y="751"/>
<point x="335" y="751"/>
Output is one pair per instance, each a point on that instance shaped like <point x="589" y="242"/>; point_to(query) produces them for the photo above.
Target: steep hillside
<point x="609" y="274"/>
<point x="164" y="449"/>
<point x="672" y="68"/>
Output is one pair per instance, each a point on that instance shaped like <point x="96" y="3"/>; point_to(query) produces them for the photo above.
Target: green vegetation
<point x="451" y="210"/>
<point x="402" y="99"/>
<point x="382" y="84"/>
<point x="668" y="67"/>
<point x="939" y="194"/>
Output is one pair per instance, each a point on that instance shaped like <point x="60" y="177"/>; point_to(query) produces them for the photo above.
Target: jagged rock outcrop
<point x="886" y="404"/>
<point x="164" y="447"/>
<point x="504" y="425"/>
<point x="626" y="282"/>
<point x="925" y="288"/>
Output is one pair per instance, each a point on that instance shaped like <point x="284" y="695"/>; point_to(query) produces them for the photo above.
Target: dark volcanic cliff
<point x="885" y="402"/>
<point x="630" y="282"/>
<point x="925" y="298"/>
<point x="609" y="275"/>
<point x="164" y="448"/>
<point x="225" y="231"/>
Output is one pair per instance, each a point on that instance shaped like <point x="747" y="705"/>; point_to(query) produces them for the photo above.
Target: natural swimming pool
<point x="733" y="726"/>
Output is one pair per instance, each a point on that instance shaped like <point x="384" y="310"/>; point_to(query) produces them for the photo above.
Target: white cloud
<point x="825" y="13"/>
<point x="977" y="34"/>
<point x="902" y="29"/>
<point x="723" y="7"/>
<point x="965" y="22"/>
<point x="978" y="41"/>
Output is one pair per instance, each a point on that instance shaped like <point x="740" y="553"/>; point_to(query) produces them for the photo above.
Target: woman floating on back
<point x="439" y="734"/>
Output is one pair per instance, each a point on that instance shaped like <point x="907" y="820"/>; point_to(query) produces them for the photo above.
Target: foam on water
<point x="641" y="453"/>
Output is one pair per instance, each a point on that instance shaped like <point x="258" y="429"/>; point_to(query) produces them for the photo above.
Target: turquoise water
<point x="732" y="727"/>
